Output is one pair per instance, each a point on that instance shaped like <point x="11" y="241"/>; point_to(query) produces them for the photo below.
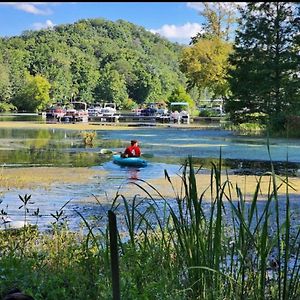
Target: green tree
<point x="206" y="65"/>
<point x="266" y="62"/>
<point x="34" y="95"/>
<point x="17" y="62"/>
<point x="74" y="58"/>
<point x="142" y="86"/>
<point x="52" y="59"/>
<point x="5" y="87"/>
<point x="112" y="88"/>
<point x="179" y="94"/>
<point x="220" y="18"/>
<point x="85" y="75"/>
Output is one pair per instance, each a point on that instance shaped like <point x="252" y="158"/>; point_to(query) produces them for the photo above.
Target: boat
<point x="129" y="161"/>
<point x="94" y="111"/>
<point x="179" y="112"/>
<point x="76" y="112"/>
<point x="55" y="112"/>
<point x="108" y="109"/>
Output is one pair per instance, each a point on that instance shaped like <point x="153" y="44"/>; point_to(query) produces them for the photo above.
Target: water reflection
<point x="133" y="174"/>
<point x="22" y="117"/>
<point x="170" y="143"/>
<point x="166" y="145"/>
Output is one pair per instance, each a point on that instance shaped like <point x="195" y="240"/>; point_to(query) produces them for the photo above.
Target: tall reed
<point x="201" y="244"/>
<point x="227" y="248"/>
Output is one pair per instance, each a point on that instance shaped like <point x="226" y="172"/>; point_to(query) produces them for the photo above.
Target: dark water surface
<point x="166" y="148"/>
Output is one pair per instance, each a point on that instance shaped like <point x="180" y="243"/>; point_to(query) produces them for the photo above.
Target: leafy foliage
<point x="91" y="60"/>
<point x="34" y="95"/>
<point x="112" y="87"/>
<point x="5" y="88"/>
<point x="179" y="94"/>
<point x="206" y="65"/>
<point x="219" y="19"/>
<point x="266" y="61"/>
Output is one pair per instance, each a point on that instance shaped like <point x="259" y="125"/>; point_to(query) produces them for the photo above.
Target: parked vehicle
<point x="137" y="111"/>
<point x="154" y="109"/>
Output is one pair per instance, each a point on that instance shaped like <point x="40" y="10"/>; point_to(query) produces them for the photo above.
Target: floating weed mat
<point x="202" y="244"/>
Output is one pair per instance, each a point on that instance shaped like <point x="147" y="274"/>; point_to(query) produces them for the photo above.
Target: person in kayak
<point x="133" y="150"/>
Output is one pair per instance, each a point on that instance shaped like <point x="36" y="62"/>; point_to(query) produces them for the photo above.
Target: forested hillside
<point x="92" y="60"/>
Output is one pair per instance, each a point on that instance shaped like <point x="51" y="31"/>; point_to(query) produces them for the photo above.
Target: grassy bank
<point x="206" y="243"/>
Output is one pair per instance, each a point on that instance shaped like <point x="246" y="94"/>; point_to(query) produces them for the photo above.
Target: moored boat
<point x="129" y="161"/>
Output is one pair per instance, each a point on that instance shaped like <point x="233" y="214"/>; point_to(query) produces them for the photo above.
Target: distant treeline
<point x="92" y="60"/>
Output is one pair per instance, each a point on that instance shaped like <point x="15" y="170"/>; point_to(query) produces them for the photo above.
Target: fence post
<point x="114" y="257"/>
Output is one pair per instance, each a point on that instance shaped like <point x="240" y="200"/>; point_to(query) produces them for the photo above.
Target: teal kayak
<point x="129" y="161"/>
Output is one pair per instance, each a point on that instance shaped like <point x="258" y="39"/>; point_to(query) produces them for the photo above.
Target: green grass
<point x="191" y="248"/>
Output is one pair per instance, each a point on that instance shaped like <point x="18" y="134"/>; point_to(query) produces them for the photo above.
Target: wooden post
<point x="114" y="257"/>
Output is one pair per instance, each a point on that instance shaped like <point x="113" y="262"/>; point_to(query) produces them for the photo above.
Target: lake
<point x="165" y="147"/>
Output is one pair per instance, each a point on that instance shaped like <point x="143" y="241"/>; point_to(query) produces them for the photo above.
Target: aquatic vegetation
<point x="202" y="244"/>
<point x="89" y="137"/>
<point x="44" y="177"/>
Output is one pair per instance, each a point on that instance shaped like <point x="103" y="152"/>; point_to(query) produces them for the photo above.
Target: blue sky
<point x="177" y="21"/>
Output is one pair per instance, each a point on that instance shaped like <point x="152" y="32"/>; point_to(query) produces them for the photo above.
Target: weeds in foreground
<point x="192" y="247"/>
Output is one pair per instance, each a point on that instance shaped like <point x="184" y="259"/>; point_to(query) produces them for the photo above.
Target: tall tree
<point x="266" y="61"/>
<point x="205" y="61"/>
<point x="5" y="86"/>
<point x="206" y="65"/>
<point x="220" y="18"/>
<point x="85" y="75"/>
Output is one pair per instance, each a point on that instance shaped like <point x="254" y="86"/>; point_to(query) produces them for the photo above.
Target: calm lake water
<point x="166" y="148"/>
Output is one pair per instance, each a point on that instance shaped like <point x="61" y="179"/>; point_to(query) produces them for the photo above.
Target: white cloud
<point x="227" y="6"/>
<point x="31" y="7"/>
<point x="183" y="32"/>
<point x="47" y="24"/>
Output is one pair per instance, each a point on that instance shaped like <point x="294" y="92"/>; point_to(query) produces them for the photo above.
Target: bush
<point x="6" y="107"/>
<point x="129" y="104"/>
<point x="208" y="113"/>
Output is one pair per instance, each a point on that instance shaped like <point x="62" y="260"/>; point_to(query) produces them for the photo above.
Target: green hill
<point x="92" y="60"/>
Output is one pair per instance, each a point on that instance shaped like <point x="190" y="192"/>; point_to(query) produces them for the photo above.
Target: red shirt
<point x="133" y="151"/>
